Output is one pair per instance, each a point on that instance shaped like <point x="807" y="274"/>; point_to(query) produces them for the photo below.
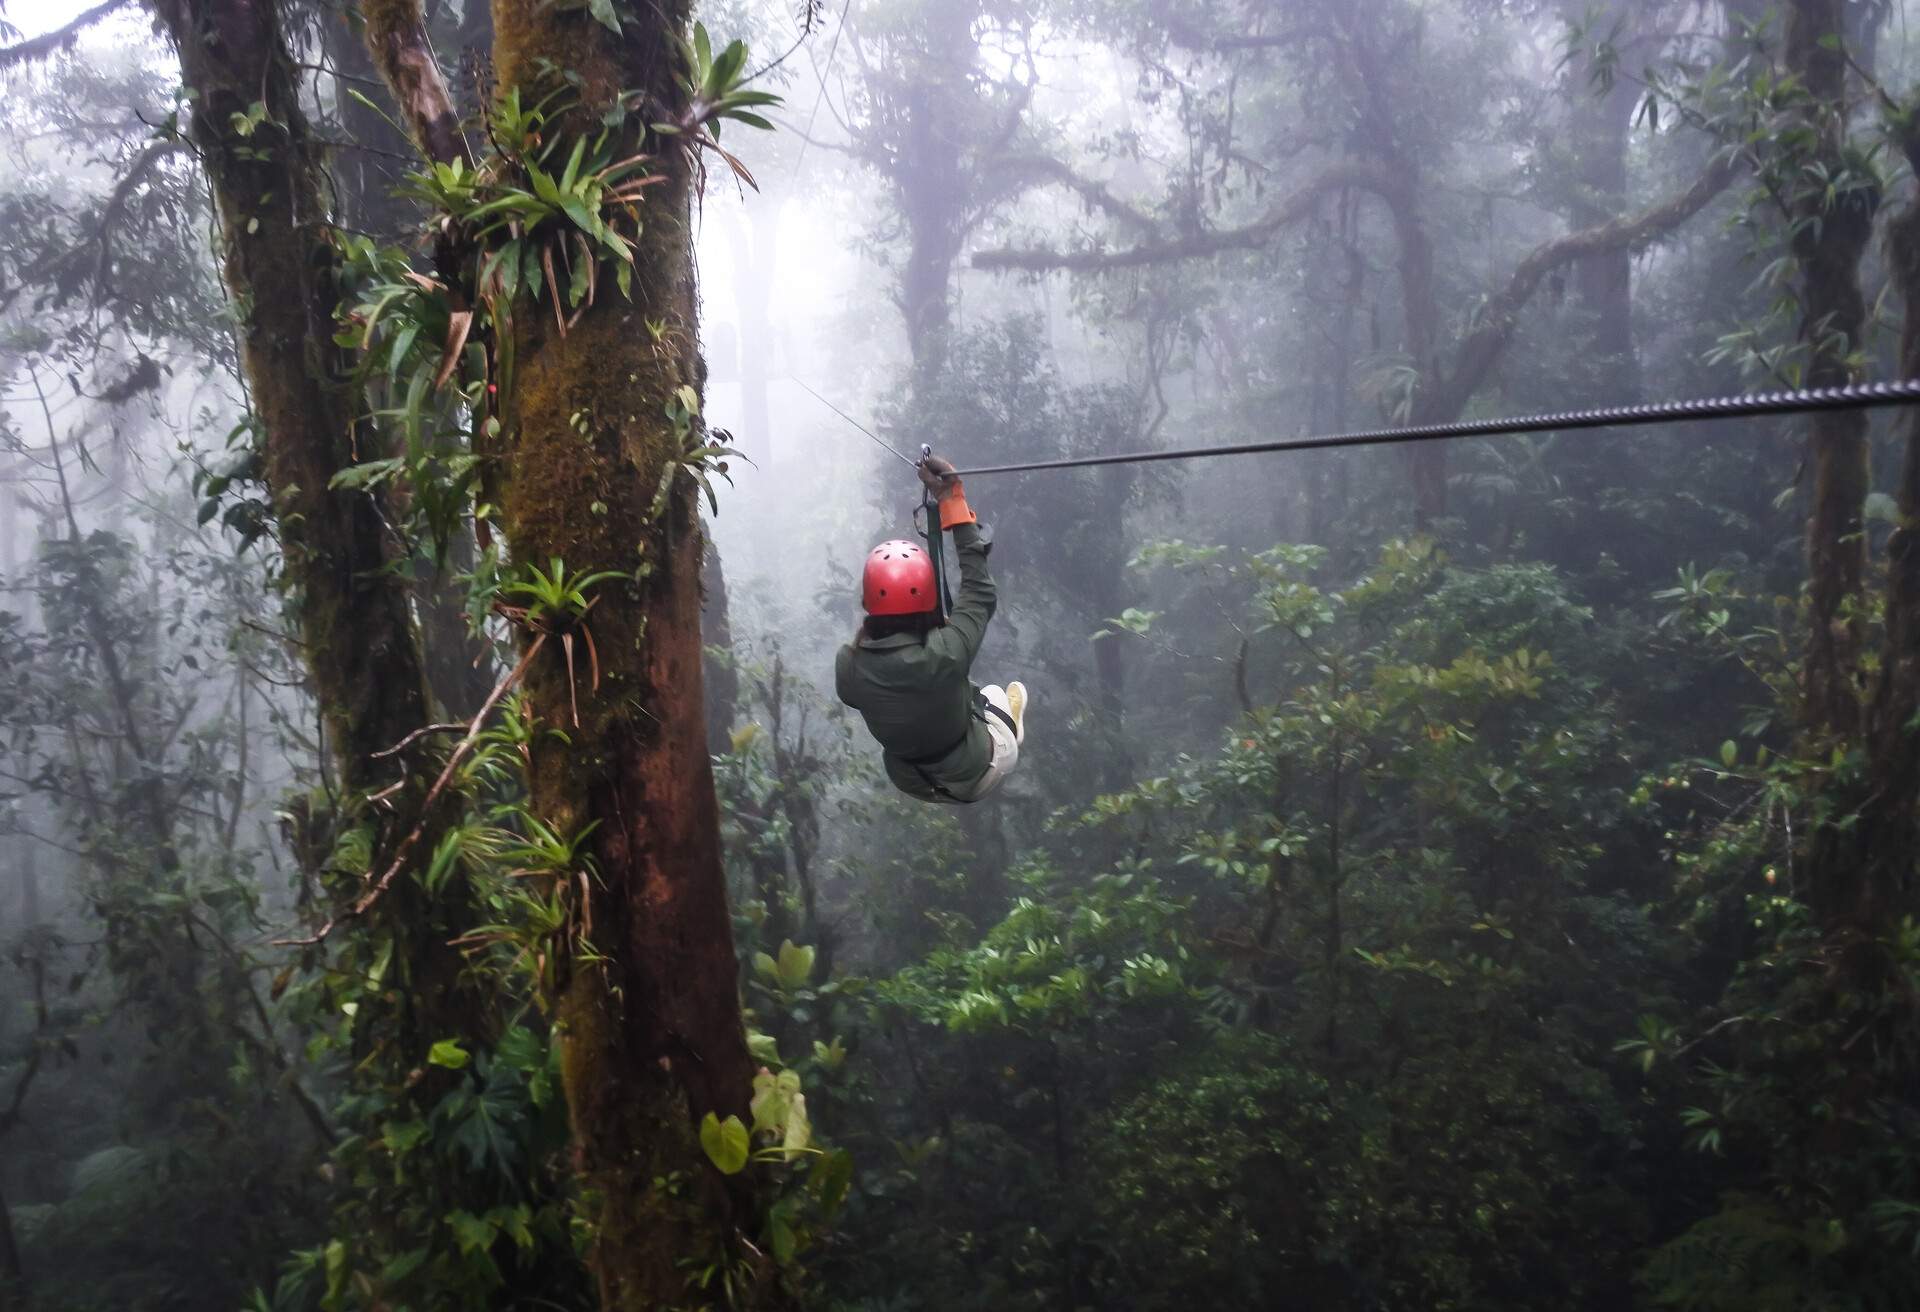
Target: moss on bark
<point x="350" y="610"/>
<point x="651" y="1031"/>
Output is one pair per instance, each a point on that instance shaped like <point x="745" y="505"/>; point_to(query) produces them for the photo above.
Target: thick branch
<point x="1348" y="173"/>
<point x="1482" y="347"/>
<point x="1039" y="169"/>
<point x="51" y="43"/>
<point x="403" y="52"/>
<point x="112" y="211"/>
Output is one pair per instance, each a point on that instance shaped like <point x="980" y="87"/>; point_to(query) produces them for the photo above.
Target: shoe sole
<point x="1018" y="705"/>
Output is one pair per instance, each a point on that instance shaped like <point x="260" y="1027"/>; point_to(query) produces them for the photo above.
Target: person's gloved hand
<point x="937" y="474"/>
<point x="940" y="478"/>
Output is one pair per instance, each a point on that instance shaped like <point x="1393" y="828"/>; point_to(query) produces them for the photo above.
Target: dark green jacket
<point x="916" y="697"/>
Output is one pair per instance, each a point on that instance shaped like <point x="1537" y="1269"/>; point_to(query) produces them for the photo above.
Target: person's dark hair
<point x="886" y="626"/>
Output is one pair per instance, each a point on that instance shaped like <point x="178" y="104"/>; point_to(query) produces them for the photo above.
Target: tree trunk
<point x="1426" y="461"/>
<point x="932" y="183"/>
<point x="367" y="172"/>
<point x="651" y="1031"/>
<point x="281" y="268"/>
<point x="1865" y="868"/>
<point x="460" y="667"/>
<point x="1829" y="242"/>
<point x="25" y="849"/>
<point x="13" y="1277"/>
<point x="349" y="608"/>
<point x="1599" y="124"/>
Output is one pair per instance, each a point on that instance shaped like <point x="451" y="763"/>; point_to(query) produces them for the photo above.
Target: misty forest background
<point x="1475" y="875"/>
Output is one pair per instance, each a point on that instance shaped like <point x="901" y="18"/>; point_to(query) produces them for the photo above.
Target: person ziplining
<point x="908" y="670"/>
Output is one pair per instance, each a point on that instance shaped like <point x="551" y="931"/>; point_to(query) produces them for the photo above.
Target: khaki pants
<point x="1006" y="748"/>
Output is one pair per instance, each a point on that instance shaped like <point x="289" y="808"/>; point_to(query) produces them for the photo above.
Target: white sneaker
<point x="1017" y="704"/>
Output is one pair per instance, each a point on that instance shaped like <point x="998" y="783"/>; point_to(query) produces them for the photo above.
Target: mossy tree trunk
<point x="281" y="271"/>
<point x="650" y="1028"/>
<point x="1599" y="123"/>
<point x="459" y="668"/>
<point x="1864" y="856"/>
<point x="1831" y="236"/>
<point x="264" y="167"/>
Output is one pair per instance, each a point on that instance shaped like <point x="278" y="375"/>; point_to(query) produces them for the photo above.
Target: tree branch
<point x="51" y="43"/>
<point x="1497" y="320"/>
<point x="1045" y="168"/>
<point x="1348" y="173"/>
<point x="403" y="52"/>
<point x="111" y="212"/>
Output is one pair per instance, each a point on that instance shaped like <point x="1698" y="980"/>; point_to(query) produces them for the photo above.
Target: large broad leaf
<point x="488" y="1125"/>
<point x="799" y="1129"/>
<point x="725" y="1142"/>
<point x="794" y="966"/>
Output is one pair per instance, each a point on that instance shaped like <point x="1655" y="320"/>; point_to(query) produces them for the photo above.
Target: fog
<point x="1472" y="873"/>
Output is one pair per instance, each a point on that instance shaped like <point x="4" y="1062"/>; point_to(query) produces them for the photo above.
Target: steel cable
<point x="1857" y="396"/>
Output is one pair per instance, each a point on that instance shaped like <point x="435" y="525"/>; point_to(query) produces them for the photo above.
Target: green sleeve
<point x="959" y="641"/>
<point x="843" y="683"/>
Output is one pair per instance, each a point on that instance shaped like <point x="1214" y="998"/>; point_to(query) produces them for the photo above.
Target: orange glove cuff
<point x="954" y="508"/>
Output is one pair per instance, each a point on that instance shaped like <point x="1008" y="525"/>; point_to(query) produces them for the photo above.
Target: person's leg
<point x="996" y="705"/>
<point x="1006" y="745"/>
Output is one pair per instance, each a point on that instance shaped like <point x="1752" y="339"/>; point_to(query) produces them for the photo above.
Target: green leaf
<point x="832" y="1174"/>
<point x="336" y="1262"/>
<point x="402" y="1137"/>
<point x="1729" y="753"/>
<point x="472" y="1233"/>
<point x="604" y="14"/>
<point x="449" y="1053"/>
<point x="365" y="474"/>
<point x="571" y="174"/>
<point x="402" y="343"/>
<point x="702" y="48"/>
<point x="798" y="1136"/>
<point x="727" y="68"/>
<point x="780" y="1236"/>
<point x="403" y="1266"/>
<point x="725" y="1142"/>
<point x="794" y="966"/>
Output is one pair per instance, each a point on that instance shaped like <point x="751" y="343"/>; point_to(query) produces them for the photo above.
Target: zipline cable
<point x="884" y="445"/>
<point x="1858" y="396"/>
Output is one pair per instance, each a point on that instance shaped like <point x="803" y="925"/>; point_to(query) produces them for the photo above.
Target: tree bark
<point x="1598" y="127"/>
<point x="1889" y="834"/>
<point x="13" y="1276"/>
<point x="651" y="1031"/>
<point x="281" y="269"/>
<point x="397" y="39"/>
<point x="459" y="668"/>
<point x="934" y="188"/>
<point x="1864" y="867"/>
<point x="349" y="608"/>
<point x="1829" y="240"/>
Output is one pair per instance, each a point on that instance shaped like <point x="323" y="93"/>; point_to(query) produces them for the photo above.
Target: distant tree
<point x="1381" y="82"/>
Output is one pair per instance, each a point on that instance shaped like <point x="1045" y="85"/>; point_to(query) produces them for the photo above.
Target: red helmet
<point x="898" y="580"/>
